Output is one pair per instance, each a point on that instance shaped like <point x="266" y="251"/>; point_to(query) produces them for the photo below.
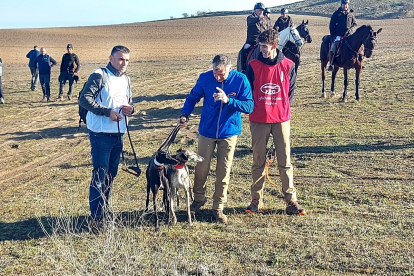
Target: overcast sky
<point x="58" y="13"/>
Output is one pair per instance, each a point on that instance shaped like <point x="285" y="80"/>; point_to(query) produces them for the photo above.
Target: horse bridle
<point x="357" y="54"/>
<point x="292" y="33"/>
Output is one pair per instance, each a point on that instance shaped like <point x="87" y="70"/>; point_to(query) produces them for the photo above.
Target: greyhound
<point x="178" y="177"/>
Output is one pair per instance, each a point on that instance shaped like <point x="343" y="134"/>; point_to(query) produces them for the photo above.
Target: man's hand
<point x="115" y="116"/>
<point x="127" y="110"/>
<point x="182" y="121"/>
<point x="220" y="96"/>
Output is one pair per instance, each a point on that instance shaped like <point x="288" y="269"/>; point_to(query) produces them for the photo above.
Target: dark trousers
<point x="63" y="77"/>
<point x="45" y="82"/>
<point x="35" y="77"/>
<point x="1" y="90"/>
<point x="106" y="151"/>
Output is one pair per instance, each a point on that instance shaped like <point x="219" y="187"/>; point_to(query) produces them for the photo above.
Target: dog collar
<point x="158" y="166"/>
<point x="179" y="166"/>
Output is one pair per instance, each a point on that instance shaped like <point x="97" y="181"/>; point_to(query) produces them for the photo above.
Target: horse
<point x="289" y="34"/>
<point x="352" y="51"/>
<point x="292" y="51"/>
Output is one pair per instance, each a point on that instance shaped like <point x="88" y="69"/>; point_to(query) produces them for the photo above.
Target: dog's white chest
<point x="181" y="178"/>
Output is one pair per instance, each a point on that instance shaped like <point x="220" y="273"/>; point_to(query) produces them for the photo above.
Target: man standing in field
<point x="226" y="94"/>
<point x="45" y="63"/>
<point x="1" y="90"/>
<point x="273" y="80"/>
<point x="68" y="70"/>
<point x="108" y="98"/>
<point x="32" y="55"/>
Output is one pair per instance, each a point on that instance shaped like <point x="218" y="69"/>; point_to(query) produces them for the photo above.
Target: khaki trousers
<point x="260" y="136"/>
<point x="225" y="153"/>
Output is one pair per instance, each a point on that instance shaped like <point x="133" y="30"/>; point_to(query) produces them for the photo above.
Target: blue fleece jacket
<point x="220" y="120"/>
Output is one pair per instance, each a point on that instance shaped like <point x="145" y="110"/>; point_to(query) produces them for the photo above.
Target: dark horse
<point x="352" y="50"/>
<point x="291" y="50"/>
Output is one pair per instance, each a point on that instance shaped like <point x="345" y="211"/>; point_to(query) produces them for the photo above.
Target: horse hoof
<point x="323" y="95"/>
<point x="343" y="100"/>
<point x="332" y="94"/>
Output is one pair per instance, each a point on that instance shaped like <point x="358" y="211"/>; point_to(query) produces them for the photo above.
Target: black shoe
<point x="196" y="205"/>
<point x="293" y="209"/>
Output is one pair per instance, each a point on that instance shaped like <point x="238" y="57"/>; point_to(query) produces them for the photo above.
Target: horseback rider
<point x="267" y="12"/>
<point x="343" y="23"/>
<point x="284" y="21"/>
<point x="257" y="22"/>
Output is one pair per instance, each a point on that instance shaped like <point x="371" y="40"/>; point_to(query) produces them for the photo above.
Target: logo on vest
<point x="270" y="89"/>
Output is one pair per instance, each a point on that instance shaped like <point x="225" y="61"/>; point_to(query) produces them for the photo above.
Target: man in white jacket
<point x="108" y="98"/>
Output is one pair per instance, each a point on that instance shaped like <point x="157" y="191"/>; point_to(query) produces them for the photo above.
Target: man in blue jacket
<point x="226" y="94"/>
<point x="45" y="62"/>
<point x="32" y="55"/>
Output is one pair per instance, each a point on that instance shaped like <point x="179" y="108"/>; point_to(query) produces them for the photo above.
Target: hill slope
<point x="367" y="9"/>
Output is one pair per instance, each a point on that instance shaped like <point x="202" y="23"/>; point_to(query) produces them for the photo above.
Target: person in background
<point x="266" y="13"/>
<point x="226" y="94"/>
<point x="1" y="90"/>
<point x="256" y="23"/>
<point x="45" y="63"/>
<point x="32" y="55"/>
<point x="342" y="24"/>
<point x="69" y="68"/>
<point x="284" y="21"/>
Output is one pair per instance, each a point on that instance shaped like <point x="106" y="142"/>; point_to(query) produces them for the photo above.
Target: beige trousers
<point x="281" y="138"/>
<point x="225" y="153"/>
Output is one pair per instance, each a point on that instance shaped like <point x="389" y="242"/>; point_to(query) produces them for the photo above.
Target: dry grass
<point x="353" y="164"/>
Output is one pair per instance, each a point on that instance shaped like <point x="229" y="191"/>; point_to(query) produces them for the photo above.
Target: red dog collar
<point x="179" y="166"/>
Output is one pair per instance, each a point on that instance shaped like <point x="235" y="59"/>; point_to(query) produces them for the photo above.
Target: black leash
<point x="132" y="170"/>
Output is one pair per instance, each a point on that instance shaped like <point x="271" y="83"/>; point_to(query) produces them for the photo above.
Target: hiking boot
<point x="218" y="216"/>
<point x="255" y="206"/>
<point x="293" y="209"/>
<point x="2" y="100"/>
<point x="330" y="68"/>
<point x="196" y="205"/>
<point x="44" y="99"/>
<point x="60" y="98"/>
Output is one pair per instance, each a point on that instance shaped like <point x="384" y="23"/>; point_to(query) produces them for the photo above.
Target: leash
<point x="136" y="171"/>
<point x="270" y="154"/>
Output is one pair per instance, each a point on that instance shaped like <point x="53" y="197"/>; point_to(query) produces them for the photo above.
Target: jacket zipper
<point x="221" y="108"/>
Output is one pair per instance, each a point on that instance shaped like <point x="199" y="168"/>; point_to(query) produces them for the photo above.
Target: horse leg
<point x="323" y="68"/>
<point x="334" y="72"/>
<point x="344" y="96"/>
<point x="357" y="78"/>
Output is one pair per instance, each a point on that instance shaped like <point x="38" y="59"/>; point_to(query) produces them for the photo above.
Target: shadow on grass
<point x="158" y="98"/>
<point x="37" y="228"/>
<point x="243" y="150"/>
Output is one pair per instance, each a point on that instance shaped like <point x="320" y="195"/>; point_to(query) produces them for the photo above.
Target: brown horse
<point x="352" y="50"/>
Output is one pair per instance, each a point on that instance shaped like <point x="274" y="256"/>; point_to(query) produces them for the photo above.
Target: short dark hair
<point x="220" y="61"/>
<point x="119" y="48"/>
<point x="268" y="36"/>
<point x="34" y="47"/>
